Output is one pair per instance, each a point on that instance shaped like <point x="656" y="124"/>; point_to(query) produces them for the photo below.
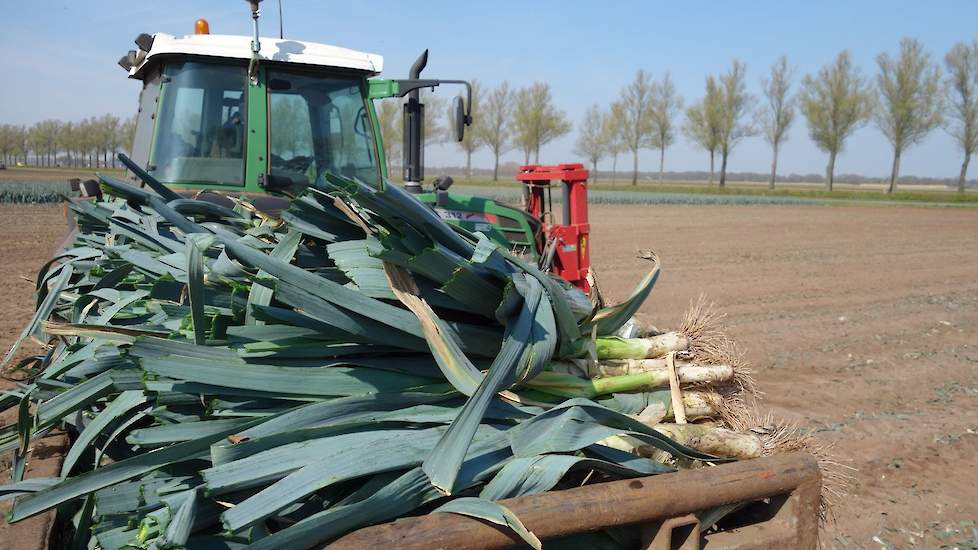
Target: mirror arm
<point x="407" y="86"/>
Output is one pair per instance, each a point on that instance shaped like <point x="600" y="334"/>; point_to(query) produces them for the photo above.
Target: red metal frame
<point x="572" y="259"/>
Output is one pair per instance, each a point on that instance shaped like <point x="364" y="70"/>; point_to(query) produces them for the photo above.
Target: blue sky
<point x="58" y="58"/>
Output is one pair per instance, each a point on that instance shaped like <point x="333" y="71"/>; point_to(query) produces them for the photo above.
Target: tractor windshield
<point x="200" y="134"/>
<point x="319" y="124"/>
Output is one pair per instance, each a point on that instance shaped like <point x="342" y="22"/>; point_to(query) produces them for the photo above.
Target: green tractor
<point x="268" y="117"/>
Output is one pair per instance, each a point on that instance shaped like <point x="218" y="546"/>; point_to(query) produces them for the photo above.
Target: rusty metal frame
<point x="785" y="490"/>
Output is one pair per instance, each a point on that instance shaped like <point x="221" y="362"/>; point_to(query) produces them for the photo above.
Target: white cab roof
<point x="272" y="49"/>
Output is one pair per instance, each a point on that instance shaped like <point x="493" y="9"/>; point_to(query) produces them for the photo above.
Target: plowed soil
<point x="860" y="323"/>
<point x="28" y="237"/>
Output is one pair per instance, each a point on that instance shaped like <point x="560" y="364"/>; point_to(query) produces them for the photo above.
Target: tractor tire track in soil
<point x="860" y="323"/>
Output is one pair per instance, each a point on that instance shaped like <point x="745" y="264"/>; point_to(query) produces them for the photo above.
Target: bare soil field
<point x="859" y="322"/>
<point x="28" y="236"/>
<point x="45" y="175"/>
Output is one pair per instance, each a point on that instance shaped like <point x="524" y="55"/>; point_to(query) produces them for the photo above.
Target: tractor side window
<point x="317" y="125"/>
<point x="201" y="128"/>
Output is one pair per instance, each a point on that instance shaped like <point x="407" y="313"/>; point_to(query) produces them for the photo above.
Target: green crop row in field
<point x="33" y="193"/>
<point x="758" y="194"/>
<point x="512" y="195"/>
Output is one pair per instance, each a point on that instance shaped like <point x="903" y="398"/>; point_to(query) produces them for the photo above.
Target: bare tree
<point x="835" y="102"/>
<point x="469" y="143"/>
<point x="536" y="121"/>
<point x="911" y="99"/>
<point x="44" y="141"/>
<point x="65" y="139"/>
<point x="962" y="87"/>
<point x="125" y="137"/>
<point x="89" y="140"/>
<point x="8" y="142"/>
<point x="108" y="131"/>
<point x="666" y="103"/>
<point x="636" y="108"/>
<point x="591" y="142"/>
<point x="704" y="120"/>
<point x="435" y="129"/>
<point x="493" y="128"/>
<point x="735" y="106"/>
<point x="612" y="134"/>
<point x="523" y="124"/>
<point x="22" y="139"/>
<point x="389" y="118"/>
<point x="776" y="117"/>
<point x="128" y="131"/>
<point x="81" y="140"/>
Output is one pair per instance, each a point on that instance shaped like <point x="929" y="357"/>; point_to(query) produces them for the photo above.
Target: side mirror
<point x="458" y="108"/>
<point x="442" y="183"/>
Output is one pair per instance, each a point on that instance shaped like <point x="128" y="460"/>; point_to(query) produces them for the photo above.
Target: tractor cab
<point x="214" y="113"/>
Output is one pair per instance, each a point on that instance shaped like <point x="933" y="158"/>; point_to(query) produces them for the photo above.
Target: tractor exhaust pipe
<point x="413" y="161"/>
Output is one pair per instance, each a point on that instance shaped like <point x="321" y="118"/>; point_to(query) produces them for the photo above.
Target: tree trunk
<point x="594" y="171"/>
<point x="723" y="168"/>
<point x="495" y="167"/>
<point x="662" y="163"/>
<point x="468" y="165"/>
<point x="895" y="173"/>
<point x="712" y="158"/>
<point x="634" y="166"/>
<point x="774" y="168"/>
<point x="830" y="172"/>
<point x="526" y="156"/>
<point x="963" y="178"/>
<point x="614" y="168"/>
<point x="536" y="155"/>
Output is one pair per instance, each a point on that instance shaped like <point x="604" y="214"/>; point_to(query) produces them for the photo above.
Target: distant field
<point x="604" y="195"/>
<point x="30" y="174"/>
<point x="796" y="193"/>
<point x="44" y="183"/>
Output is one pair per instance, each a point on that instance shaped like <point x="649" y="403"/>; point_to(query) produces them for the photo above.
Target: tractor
<point x="267" y="117"/>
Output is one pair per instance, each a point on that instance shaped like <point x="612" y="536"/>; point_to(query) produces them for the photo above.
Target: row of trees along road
<point x="908" y="99"/>
<point x="90" y="142"/>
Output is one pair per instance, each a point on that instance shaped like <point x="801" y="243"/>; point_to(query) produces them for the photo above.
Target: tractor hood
<point x="272" y="49"/>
